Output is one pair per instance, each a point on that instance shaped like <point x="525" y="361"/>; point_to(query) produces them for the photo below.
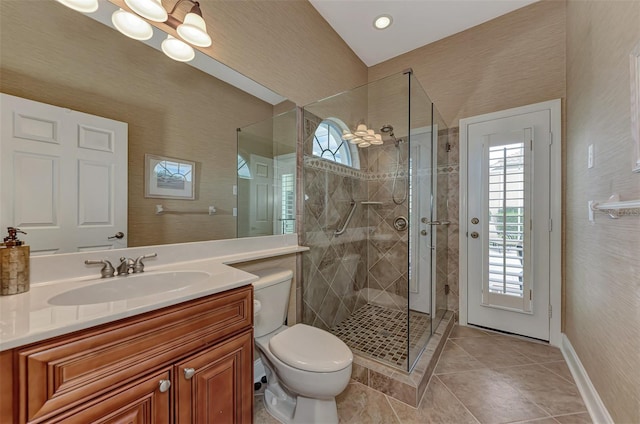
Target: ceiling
<point x="415" y="22"/>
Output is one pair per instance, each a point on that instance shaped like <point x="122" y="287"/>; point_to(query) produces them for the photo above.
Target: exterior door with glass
<point x="509" y="222"/>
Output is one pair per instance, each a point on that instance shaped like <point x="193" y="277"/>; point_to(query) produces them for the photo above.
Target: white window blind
<point x="507" y="218"/>
<point x="288" y="213"/>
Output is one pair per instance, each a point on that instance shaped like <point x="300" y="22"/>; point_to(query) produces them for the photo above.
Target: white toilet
<point x="306" y="367"/>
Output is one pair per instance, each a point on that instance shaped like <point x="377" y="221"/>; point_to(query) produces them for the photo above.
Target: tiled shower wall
<point x="335" y="267"/>
<point x="388" y="249"/>
<point x="450" y="169"/>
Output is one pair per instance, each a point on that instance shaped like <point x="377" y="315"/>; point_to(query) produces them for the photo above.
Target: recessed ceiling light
<point x="382" y="21"/>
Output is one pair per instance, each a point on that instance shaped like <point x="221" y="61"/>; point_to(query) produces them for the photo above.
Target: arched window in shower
<point x="328" y="143"/>
<point x="243" y="168"/>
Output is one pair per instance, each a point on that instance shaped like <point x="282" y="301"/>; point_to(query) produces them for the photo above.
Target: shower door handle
<point x="426" y="221"/>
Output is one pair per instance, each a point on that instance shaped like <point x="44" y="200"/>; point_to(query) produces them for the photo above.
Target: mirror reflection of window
<point x="243" y="168"/>
<point x="288" y="204"/>
<point x="328" y="143"/>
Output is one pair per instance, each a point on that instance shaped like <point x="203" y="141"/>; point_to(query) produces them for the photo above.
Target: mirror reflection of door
<point x="285" y="194"/>
<point x="261" y="195"/>
<point x="63" y="177"/>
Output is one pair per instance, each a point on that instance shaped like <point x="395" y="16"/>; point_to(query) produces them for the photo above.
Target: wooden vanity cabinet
<point x="206" y="384"/>
<point x="133" y="370"/>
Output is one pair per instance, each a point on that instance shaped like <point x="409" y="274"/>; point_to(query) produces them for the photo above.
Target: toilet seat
<point x="310" y="349"/>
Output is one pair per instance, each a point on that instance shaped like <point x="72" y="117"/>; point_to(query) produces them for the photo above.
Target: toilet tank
<point x="272" y="291"/>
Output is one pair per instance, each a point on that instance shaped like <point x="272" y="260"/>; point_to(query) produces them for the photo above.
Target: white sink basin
<point x="129" y="287"/>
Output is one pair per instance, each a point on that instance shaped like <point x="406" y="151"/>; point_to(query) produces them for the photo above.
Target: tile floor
<point x="381" y="333"/>
<point x="481" y="377"/>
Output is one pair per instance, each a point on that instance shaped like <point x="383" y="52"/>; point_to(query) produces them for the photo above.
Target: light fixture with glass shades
<point x="193" y="31"/>
<point x="362" y="136"/>
<point x="84" y="6"/>
<point x="382" y="22"/>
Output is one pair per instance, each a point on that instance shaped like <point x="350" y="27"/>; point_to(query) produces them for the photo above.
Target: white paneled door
<point x="63" y="177"/>
<point x="509" y="221"/>
<point x="261" y="194"/>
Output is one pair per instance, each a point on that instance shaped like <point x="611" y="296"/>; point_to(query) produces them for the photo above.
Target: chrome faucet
<point x="125" y="265"/>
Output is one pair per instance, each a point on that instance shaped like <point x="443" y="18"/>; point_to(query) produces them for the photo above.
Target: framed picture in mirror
<point x="169" y="178"/>
<point x="634" y="60"/>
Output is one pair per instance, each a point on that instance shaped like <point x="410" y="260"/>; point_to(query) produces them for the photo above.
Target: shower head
<point x="387" y="129"/>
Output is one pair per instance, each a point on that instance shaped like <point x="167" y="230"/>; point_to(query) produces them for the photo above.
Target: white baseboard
<point x="595" y="406"/>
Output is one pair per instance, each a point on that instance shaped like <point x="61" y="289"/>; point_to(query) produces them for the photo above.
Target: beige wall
<point x="282" y="44"/>
<point x="603" y="259"/>
<point x="514" y="60"/>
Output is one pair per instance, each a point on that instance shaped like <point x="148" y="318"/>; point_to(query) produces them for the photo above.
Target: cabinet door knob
<point x="165" y="385"/>
<point x="188" y="373"/>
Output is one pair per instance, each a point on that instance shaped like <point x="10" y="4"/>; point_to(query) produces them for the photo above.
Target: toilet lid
<point x="310" y="349"/>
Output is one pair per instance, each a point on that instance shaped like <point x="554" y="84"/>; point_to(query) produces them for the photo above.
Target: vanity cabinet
<point x="133" y="370"/>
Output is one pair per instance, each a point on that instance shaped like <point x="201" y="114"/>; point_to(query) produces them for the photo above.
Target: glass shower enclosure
<point x="375" y="219"/>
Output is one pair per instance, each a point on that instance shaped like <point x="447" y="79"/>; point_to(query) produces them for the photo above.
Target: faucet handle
<point x="107" y="270"/>
<point x="138" y="266"/>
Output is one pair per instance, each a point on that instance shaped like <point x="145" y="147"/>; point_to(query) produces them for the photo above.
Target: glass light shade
<point x="150" y="9"/>
<point x="194" y="30"/>
<point x="177" y="49"/>
<point x="346" y="135"/>
<point x="377" y="140"/>
<point x="371" y="135"/>
<point x="356" y="140"/>
<point x="364" y="144"/>
<point x="131" y="25"/>
<point x="361" y="131"/>
<point x="84" y="6"/>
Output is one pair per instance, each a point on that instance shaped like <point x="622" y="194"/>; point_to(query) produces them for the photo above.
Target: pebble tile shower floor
<point x="381" y="333"/>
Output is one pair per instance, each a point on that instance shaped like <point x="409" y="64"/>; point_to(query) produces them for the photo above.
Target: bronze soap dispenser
<point x="14" y="264"/>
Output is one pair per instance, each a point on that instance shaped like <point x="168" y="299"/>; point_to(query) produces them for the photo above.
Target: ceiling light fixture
<point x="382" y="21"/>
<point x="131" y="25"/>
<point x="362" y="136"/>
<point x="84" y="6"/>
<point x="193" y="30"/>
<point x="177" y="49"/>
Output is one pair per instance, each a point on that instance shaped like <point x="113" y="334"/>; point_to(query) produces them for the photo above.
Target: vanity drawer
<point x="68" y="370"/>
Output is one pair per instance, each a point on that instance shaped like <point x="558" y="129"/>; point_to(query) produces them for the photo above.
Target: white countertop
<point x="29" y="317"/>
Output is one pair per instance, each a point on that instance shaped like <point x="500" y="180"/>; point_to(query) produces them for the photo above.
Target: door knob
<point x="475" y="234"/>
<point x="474" y="220"/>
<point x="165" y="385"/>
<point x="117" y="235"/>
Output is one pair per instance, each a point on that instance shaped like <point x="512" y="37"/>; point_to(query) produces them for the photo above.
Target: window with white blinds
<point x="287" y="215"/>
<point x="507" y="218"/>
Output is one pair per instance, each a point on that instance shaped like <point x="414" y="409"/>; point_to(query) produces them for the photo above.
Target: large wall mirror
<point x="173" y="111"/>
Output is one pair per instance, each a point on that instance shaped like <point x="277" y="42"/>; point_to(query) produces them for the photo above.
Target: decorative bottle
<point x="14" y="264"/>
